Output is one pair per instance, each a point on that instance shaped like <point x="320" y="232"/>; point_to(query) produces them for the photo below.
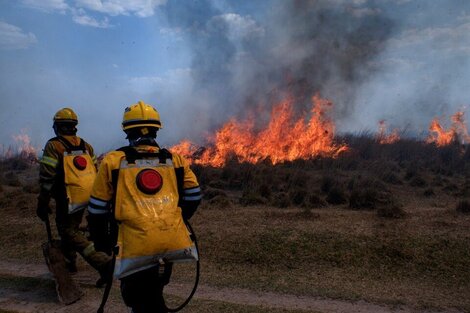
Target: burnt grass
<point x="384" y="223"/>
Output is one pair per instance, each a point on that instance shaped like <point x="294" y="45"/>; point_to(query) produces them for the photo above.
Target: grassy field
<point x="384" y="224"/>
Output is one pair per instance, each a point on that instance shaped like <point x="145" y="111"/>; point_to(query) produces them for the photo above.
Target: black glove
<point x="100" y="232"/>
<point x="43" y="208"/>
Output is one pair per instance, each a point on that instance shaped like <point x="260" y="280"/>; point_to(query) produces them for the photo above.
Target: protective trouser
<point x="143" y="291"/>
<point x="73" y="240"/>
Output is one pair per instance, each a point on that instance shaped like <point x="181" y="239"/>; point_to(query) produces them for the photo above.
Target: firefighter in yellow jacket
<point x="66" y="173"/>
<point x="149" y="193"/>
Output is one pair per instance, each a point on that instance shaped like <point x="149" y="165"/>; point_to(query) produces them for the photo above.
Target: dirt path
<point x="18" y="298"/>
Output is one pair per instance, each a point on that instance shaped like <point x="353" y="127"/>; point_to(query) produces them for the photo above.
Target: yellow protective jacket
<point x="67" y="170"/>
<point x="149" y="192"/>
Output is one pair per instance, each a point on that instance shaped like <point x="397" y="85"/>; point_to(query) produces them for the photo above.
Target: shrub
<point x="220" y="201"/>
<point x="314" y="200"/>
<point x="336" y="195"/>
<point x="410" y="173"/>
<point x="327" y="183"/>
<point x="463" y="206"/>
<point x="369" y="193"/>
<point x="418" y="181"/>
<point x="391" y="178"/>
<point x="429" y="192"/>
<point x="264" y="190"/>
<point x="298" y="178"/>
<point x="298" y="196"/>
<point x="367" y="198"/>
<point x="12" y="179"/>
<point x="210" y="193"/>
<point x="18" y="163"/>
<point x="217" y="183"/>
<point x="281" y="200"/>
<point x="251" y="198"/>
<point x="450" y="187"/>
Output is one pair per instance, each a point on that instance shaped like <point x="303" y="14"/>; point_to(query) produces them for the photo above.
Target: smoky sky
<point x="402" y="61"/>
<point x="397" y="61"/>
<point x="305" y="47"/>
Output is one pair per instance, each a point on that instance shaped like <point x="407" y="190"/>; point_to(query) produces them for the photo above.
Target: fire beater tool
<point x="68" y="291"/>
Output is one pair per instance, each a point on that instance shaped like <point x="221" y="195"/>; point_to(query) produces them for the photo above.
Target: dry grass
<point x="340" y="253"/>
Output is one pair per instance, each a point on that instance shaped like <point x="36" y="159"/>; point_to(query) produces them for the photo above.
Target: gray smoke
<point x="374" y="59"/>
<point x="302" y="48"/>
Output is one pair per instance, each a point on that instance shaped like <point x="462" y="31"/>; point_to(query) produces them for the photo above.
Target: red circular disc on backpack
<point x="149" y="181"/>
<point x="80" y="162"/>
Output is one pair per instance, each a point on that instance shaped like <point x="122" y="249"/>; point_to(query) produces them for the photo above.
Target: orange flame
<point x="283" y="139"/>
<point x="25" y="150"/>
<point x="384" y="138"/>
<point x="441" y="137"/>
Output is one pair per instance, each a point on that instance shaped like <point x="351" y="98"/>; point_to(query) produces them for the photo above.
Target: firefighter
<point x="66" y="173"/>
<point x="147" y="193"/>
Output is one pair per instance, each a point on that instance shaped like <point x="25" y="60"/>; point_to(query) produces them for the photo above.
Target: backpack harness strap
<point x="69" y="147"/>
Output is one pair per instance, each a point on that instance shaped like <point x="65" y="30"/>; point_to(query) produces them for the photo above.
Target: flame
<point x="283" y="139"/>
<point x="442" y="137"/>
<point x="384" y="138"/>
<point x="25" y="150"/>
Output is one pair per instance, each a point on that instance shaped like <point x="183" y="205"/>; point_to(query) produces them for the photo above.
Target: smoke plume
<point x="376" y="60"/>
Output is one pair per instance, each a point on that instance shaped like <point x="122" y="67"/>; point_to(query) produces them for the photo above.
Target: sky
<point x="202" y="62"/>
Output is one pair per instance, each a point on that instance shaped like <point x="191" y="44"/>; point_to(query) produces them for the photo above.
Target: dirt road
<point x="29" y="288"/>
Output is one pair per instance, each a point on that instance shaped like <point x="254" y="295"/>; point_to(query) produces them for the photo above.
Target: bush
<point x="336" y="195"/>
<point x="369" y="194"/>
<point x="298" y="178"/>
<point x="220" y="201"/>
<point x="391" y="178"/>
<point x="217" y="183"/>
<point x="251" y="198"/>
<point x="327" y="183"/>
<point x="410" y="173"/>
<point x="367" y="198"/>
<point x="12" y="179"/>
<point x="281" y="200"/>
<point x="298" y="196"/>
<point x="18" y="163"/>
<point x="463" y="206"/>
<point x="210" y="193"/>
<point x="264" y="190"/>
<point x="450" y="187"/>
<point x="418" y="181"/>
<point x="314" y="200"/>
<point x="429" y="192"/>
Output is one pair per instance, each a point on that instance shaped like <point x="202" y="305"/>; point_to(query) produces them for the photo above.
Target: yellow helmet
<point x="65" y="115"/>
<point x="140" y="114"/>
